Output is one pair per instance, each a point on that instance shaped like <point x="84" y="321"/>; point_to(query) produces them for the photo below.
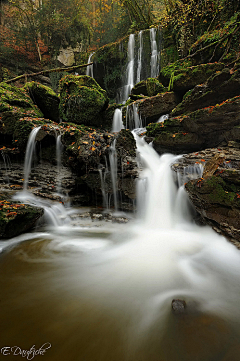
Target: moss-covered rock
<point x="16" y="218"/>
<point x="82" y="100"/>
<point x="183" y="80"/>
<point x="45" y="98"/>
<point x="219" y="87"/>
<point x="149" y="87"/>
<point x="217" y="200"/>
<point x="168" y="70"/>
<point x="198" y="130"/>
<point x="17" y="101"/>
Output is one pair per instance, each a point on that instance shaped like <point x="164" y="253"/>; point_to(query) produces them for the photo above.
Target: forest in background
<point x="33" y="31"/>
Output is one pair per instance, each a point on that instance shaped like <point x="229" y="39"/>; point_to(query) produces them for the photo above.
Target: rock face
<point x="16" y="218"/>
<point x="45" y="98"/>
<point x="82" y="100"/>
<point x="204" y="128"/>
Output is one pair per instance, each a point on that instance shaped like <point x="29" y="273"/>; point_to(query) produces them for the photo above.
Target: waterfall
<point x="154" y="54"/>
<point x="89" y="70"/>
<point x="140" y="49"/>
<point x="117" y="124"/>
<point x="113" y="170"/>
<point x="29" y="155"/>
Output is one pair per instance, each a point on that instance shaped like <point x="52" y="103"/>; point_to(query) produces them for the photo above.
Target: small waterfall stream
<point x="140" y="50"/>
<point x="89" y="70"/>
<point x="29" y="156"/>
<point x="154" y="54"/>
<point x="117" y="121"/>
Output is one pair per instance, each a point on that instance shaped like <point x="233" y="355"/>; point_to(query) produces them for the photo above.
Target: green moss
<point x="218" y="191"/>
<point x="17" y="100"/>
<point x="81" y="100"/>
<point x="167" y="72"/>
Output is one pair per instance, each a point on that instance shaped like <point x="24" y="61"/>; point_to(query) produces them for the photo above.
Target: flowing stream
<point x="100" y="291"/>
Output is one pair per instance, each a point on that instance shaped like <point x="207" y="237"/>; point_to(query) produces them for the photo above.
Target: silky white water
<point x="117" y="121"/>
<point x="154" y="53"/>
<point x="105" y="292"/>
<point x="29" y="155"/>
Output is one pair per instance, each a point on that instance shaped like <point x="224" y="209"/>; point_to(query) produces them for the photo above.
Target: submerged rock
<point x="179" y="306"/>
<point x="82" y="100"/>
<point x="45" y="98"/>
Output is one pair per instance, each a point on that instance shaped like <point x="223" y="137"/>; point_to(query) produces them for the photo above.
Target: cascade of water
<point x="29" y="156"/>
<point x="159" y="205"/>
<point x="154" y="56"/>
<point x="130" y="68"/>
<point x="117" y="124"/>
<point x="140" y="49"/>
<point x="133" y="118"/>
<point x="89" y="70"/>
<point x="163" y="118"/>
<point x="113" y="169"/>
<point x="59" y="164"/>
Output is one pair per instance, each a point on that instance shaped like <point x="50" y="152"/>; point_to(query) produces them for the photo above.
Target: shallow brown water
<point x="45" y="299"/>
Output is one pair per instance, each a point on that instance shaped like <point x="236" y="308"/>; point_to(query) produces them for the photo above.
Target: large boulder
<point x="82" y="100"/>
<point x="204" y="128"/>
<point x="45" y="98"/>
